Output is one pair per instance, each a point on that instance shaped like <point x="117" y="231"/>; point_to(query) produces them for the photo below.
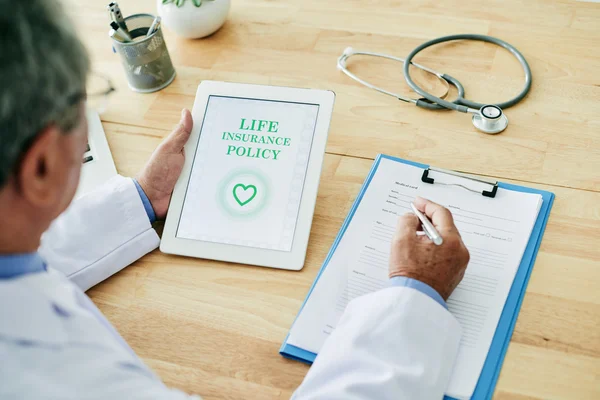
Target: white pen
<point x="117" y="36"/>
<point x="428" y="227"/>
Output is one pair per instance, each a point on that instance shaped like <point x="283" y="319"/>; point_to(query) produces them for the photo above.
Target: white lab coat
<point x="394" y="344"/>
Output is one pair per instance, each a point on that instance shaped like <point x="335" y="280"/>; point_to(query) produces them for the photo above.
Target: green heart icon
<point x="241" y="194"/>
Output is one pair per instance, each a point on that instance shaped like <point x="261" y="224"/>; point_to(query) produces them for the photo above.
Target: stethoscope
<point x="488" y="118"/>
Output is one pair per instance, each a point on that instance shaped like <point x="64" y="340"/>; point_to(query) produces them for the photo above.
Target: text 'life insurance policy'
<point x="495" y="230"/>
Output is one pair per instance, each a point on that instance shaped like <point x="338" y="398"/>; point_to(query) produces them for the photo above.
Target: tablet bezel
<point x="292" y="260"/>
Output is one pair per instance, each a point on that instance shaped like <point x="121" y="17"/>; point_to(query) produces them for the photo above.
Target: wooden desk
<point x="215" y="328"/>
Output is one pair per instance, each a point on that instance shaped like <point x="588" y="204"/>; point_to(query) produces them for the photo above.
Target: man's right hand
<point x="417" y="257"/>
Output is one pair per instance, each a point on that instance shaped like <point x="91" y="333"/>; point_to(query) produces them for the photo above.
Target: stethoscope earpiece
<point x="348" y="51"/>
<point x="490" y="119"/>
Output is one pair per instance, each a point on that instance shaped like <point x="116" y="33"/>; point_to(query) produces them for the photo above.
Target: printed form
<point x="495" y="231"/>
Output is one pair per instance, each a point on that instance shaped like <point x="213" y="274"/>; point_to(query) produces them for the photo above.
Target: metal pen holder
<point x="146" y="59"/>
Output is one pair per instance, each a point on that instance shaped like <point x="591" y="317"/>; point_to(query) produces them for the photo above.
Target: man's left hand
<point x="160" y="174"/>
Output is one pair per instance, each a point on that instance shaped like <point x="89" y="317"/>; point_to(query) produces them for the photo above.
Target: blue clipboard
<point x="493" y="363"/>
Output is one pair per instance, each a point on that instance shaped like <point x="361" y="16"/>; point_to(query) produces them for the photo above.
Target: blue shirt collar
<point x="15" y="265"/>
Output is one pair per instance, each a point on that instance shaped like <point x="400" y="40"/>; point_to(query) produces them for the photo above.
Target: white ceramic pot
<point x="194" y="22"/>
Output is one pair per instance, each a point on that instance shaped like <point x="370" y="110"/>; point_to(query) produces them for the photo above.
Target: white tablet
<point x="248" y="188"/>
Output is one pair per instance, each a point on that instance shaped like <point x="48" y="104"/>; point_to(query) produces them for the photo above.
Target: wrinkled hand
<point x="160" y="174"/>
<point x="441" y="267"/>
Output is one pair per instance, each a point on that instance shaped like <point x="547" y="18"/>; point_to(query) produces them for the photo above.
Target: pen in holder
<point x="146" y="59"/>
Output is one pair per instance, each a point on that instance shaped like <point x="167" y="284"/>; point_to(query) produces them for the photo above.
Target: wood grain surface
<point x="215" y="328"/>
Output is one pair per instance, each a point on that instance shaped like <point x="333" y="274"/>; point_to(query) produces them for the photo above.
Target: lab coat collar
<point x="33" y="308"/>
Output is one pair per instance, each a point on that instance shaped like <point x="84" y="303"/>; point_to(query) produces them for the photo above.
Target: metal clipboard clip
<point x="454" y="178"/>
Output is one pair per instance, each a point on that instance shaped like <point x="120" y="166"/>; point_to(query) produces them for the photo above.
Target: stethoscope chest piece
<point x="490" y="119"/>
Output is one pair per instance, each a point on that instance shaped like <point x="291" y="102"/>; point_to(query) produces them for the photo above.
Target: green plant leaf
<point x="197" y="3"/>
<point x="167" y="1"/>
<point x="179" y="3"/>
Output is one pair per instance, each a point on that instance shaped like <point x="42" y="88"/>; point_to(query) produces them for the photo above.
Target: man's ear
<point x="38" y="168"/>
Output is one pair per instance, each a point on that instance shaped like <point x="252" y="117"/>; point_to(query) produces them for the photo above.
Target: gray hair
<point x="43" y="71"/>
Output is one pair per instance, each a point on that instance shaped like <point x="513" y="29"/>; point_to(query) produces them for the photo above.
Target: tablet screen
<point x="248" y="172"/>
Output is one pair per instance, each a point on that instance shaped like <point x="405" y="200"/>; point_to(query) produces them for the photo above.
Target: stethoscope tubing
<point x="345" y="56"/>
<point x="460" y="103"/>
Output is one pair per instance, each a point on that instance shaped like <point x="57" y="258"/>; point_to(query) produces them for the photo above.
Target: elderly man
<point x="399" y="343"/>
